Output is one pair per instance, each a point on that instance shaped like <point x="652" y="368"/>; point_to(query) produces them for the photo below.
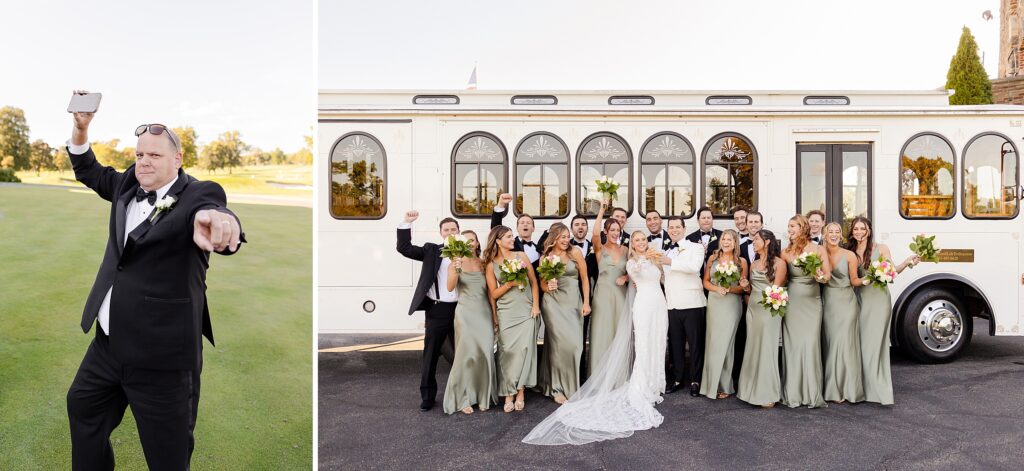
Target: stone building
<point x="1008" y="87"/>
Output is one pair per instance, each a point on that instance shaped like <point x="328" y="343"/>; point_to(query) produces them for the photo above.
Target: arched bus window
<point x="667" y="176"/>
<point x="729" y="178"/>
<point x="358" y="177"/>
<point x="991" y="177"/>
<point x="604" y="154"/>
<point x="927" y="177"/>
<point x="542" y="176"/>
<point x="479" y="174"/>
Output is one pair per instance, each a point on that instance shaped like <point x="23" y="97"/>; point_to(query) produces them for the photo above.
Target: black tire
<point x="934" y="307"/>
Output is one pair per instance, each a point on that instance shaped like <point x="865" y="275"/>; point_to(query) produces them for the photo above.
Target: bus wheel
<point x="934" y="327"/>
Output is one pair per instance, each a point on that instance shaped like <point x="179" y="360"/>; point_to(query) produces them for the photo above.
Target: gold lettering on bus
<point x="956" y="255"/>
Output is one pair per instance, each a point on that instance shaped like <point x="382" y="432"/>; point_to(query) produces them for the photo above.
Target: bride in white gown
<point x="619" y="397"/>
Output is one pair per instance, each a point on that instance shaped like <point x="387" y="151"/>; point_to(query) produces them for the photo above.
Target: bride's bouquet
<point x="513" y="270"/>
<point x="608" y="186"/>
<point x="774" y="299"/>
<point x="456" y="246"/>
<point x="924" y="247"/>
<point x="726" y="274"/>
<point x="881" y="274"/>
<point x="550" y="268"/>
<point x="809" y="262"/>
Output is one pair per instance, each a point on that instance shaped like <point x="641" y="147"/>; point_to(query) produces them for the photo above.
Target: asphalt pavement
<point x="968" y="414"/>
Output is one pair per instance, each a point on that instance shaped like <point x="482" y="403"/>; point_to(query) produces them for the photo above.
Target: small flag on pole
<point x="472" y="80"/>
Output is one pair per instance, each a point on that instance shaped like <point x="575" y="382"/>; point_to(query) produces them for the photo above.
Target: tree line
<point x="228" y="151"/>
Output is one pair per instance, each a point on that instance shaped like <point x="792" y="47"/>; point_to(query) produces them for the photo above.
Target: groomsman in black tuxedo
<point x="148" y="300"/>
<point x="579" y="227"/>
<point x="433" y="297"/>
<point x="656" y="236"/>
<point x="739" y="218"/>
<point x="816" y="219"/>
<point x="705" y="235"/>
<point x="525" y="228"/>
<point x="755" y="221"/>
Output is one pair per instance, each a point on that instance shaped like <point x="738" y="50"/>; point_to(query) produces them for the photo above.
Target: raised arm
<point x="453" y="273"/>
<point x="101" y="179"/>
<point x="595" y="238"/>
<point x="405" y="245"/>
<point x="501" y="210"/>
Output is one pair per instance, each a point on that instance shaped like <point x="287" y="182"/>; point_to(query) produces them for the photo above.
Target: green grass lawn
<point x="245" y="180"/>
<point x="255" y="410"/>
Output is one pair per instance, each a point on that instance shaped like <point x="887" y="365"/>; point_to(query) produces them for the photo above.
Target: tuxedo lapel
<point x="147" y="224"/>
<point x="120" y="214"/>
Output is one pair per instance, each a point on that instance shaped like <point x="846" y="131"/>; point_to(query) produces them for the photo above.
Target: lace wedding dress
<point x="619" y="397"/>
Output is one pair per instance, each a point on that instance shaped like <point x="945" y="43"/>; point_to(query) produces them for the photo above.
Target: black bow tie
<point x="673" y="245"/>
<point x="816" y="239"/>
<point x="141" y="194"/>
<point x="702" y="234"/>
<point x="526" y="242"/>
<point x="651" y="238"/>
<point x="578" y="244"/>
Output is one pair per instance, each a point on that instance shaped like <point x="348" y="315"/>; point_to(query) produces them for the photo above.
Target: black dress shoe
<point x="674" y="387"/>
<point x="694" y="389"/>
<point x="426" y="405"/>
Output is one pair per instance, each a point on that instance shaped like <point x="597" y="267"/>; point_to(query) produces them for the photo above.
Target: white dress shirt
<point x="530" y="250"/>
<point x="136" y="212"/>
<point x="656" y="242"/>
<point x="585" y="249"/>
<point x="440" y="290"/>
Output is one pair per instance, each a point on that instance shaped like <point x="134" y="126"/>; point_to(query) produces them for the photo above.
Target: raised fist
<point x="411" y="216"/>
<point x="504" y="199"/>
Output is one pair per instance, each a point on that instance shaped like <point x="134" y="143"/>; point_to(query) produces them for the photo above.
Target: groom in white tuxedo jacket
<point x="684" y="292"/>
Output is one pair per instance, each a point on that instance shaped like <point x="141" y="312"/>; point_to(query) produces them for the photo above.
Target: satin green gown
<point x="875" y="316"/>
<point x="843" y="373"/>
<point x="723" y="318"/>
<point x="801" y="342"/>
<point x="759" y="382"/>
<point x="517" y="339"/>
<point x="563" y="335"/>
<point x="605" y="303"/>
<point x="472" y="378"/>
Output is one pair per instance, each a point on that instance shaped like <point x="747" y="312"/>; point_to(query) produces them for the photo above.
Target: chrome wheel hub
<point x="940" y="325"/>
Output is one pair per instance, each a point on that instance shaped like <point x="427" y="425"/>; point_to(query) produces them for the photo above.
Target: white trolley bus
<point x="906" y="160"/>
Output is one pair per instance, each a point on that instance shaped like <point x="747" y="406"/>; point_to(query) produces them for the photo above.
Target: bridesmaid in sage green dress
<point x="875" y="313"/>
<point x="759" y="382"/>
<point x="472" y="378"/>
<point x="843" y="375"/>
<point x="517" y="311"/>
<point x="801" y="328"/>
<point x="725" y="306"/>
<point x="563" y="310"/>
<point x="610" y="288"/>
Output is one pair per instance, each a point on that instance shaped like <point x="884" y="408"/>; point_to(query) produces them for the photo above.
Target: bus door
<point x="834" y="179"/>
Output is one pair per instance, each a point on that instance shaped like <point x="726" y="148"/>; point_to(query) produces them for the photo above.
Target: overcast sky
<point x="215" y="65"/>
<point x="670" y="44"/>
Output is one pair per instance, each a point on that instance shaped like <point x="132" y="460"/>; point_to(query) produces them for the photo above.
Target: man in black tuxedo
<point x="525" y="228"/>
<point x="656" y="237"/>
<point x="432" y="297"/>
<point x="739" y="219"/>
<point x="705" y="235"/>
<point x="149" y="300"/>
<point x="816" y="220"/>
<point x="755" y="221"/>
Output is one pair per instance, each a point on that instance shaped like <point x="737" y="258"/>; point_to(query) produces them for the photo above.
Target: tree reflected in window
<point x="542" y="176"/>
<point x="358" y="178"/>
<point x="927" y="182"/>
<point x="991" y="178"/>
<point x="479" y="163"/>
<point x="729" y="174"/>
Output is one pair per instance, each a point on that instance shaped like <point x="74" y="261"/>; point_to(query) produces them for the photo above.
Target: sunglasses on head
<point x="156" y="130"/>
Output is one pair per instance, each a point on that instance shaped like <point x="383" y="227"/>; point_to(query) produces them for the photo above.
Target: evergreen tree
<point x="967" y="76"/>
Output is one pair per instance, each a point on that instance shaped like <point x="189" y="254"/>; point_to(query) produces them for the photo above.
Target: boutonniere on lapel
<point x="165" y="205"/>
<point x="680" y="250"/>
<point x="713" y="238"/>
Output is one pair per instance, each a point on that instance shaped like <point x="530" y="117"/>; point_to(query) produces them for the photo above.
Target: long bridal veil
<point x="607" y="406"/>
